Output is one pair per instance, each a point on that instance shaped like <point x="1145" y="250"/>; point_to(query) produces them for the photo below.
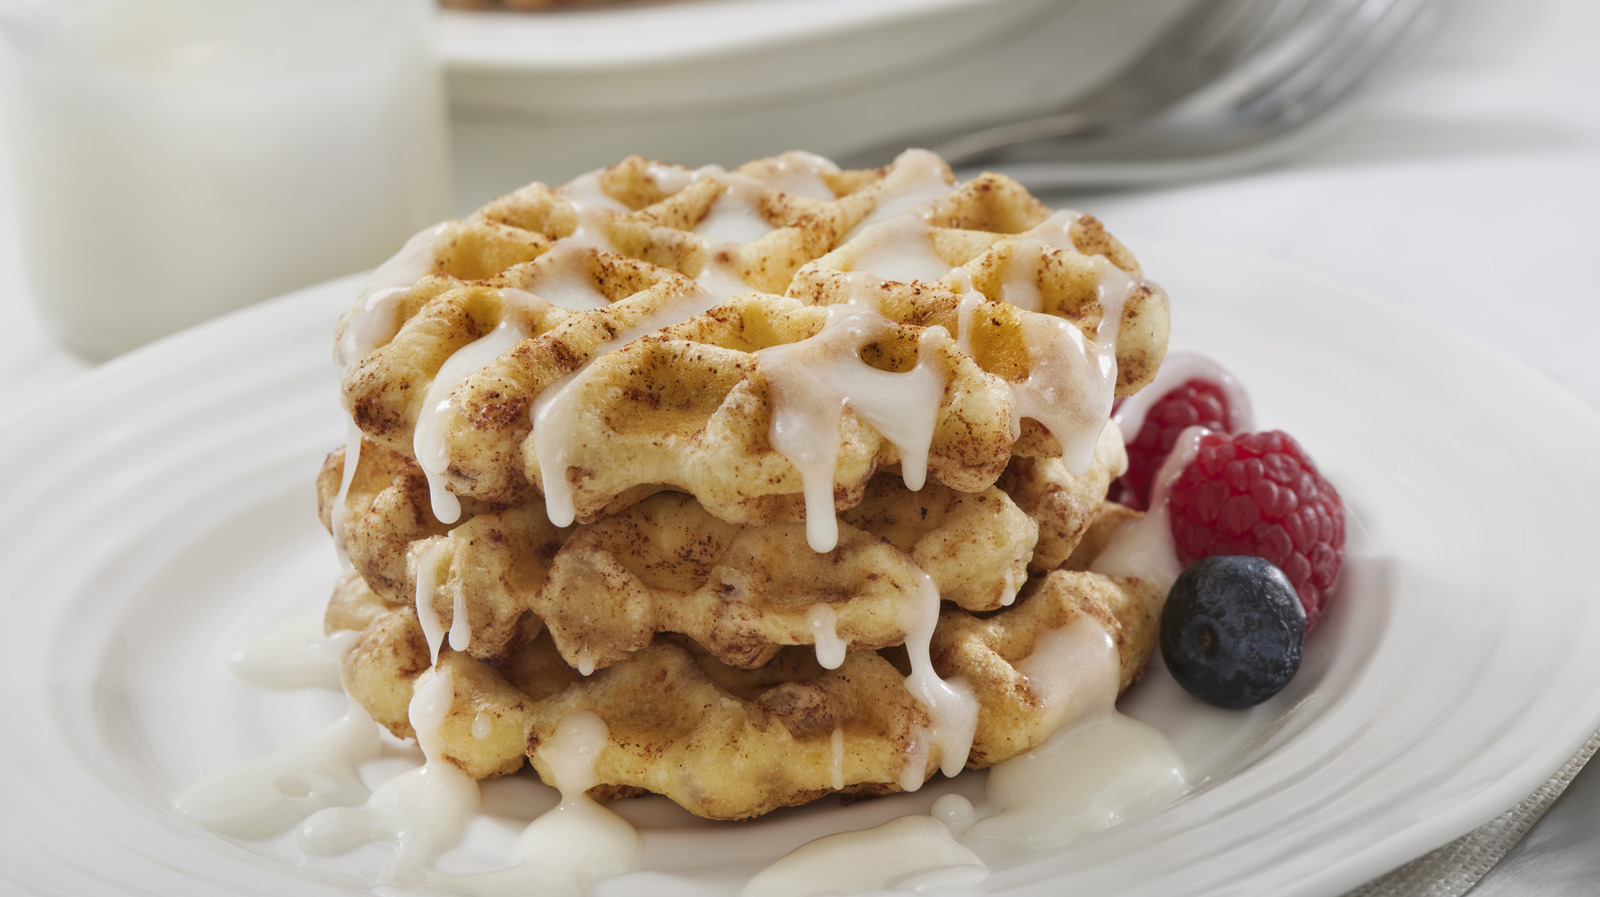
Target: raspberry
<point x="1259" y="494"/>
<point x="1195" y="403"/>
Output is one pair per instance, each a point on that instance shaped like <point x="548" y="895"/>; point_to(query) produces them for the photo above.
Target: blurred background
<point x="169" y="160"/>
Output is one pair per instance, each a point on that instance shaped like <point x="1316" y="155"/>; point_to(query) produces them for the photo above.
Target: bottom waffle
<point x="731" y="743"/>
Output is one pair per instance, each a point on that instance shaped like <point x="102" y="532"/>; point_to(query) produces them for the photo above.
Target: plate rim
<point x="164" y="357"/>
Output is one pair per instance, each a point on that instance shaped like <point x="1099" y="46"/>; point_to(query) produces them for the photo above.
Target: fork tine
<point x="1208" y="40"/>
<point x="1305" y="39"/>
<point x="1368" y="39"/>
<point x="1238" y="29"/>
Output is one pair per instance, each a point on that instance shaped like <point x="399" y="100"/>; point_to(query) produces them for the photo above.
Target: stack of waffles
<point x="784" y="472"/>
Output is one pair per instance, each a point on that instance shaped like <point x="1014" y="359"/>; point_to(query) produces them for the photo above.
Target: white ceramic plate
<point x="726" y="81"/>
<point x="631" y="34"/>
<point x="157" y="512"/>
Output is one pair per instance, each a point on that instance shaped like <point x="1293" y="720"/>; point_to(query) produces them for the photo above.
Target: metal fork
<point x="1232" y="85"/>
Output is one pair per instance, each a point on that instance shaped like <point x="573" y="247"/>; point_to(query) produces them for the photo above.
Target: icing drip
<point x="836" y="768"/>
<point x="340" y="514"/>
<point x="1073" y="381"/>
<point x="951" y="703"/>
<point x="1177" y="369"/>
<point x="1144" y="548"/>
<point x="426" y="579"/>
<point x="955" y="811"/>
<point x="814" y="379"/>
<point x="460" y="623"/>
<point x="1013" y="584"/>
<point x="575" y="845"/>
<point x="1097" y="767"/>
<point x="918" y="749"/>
<point x="825" y="637"/>
<point x="482" y="725"/>
<point x="428" y="437"/>
<point x="1021" y="286"/>
<point x="375" y="321"/>
<point x="423" y="812"/>
<point x="556" y="411"/>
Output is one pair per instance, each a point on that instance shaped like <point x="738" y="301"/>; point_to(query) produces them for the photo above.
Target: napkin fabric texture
<point x="1454" y="869"/>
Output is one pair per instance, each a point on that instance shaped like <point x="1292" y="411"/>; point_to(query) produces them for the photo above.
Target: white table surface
<point x="1467" y="188"/>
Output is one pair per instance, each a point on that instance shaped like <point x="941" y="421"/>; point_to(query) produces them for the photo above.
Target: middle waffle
<point x="492" y="582"/>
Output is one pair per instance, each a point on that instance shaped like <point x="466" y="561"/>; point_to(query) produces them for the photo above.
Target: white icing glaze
<point x="735" y="215"/>
<point x="339" y="516"/>
<point x="426" y="581"/>
<point x="955" y="811"/>
<point x="1056" y="231"/>
<point x="292" y="653"/>
<point x="919" y="747"/>
<point x="886" y="857"/>
<point x="595" y="209"/>
<point x="949" y="702"/>
<point x="836" y="765"/>
<point x="670" y="178"/>
<point x="423" y="811"/>
<point x="428" y="437"/>
<point x="916" y="181"/>
<point x="813" y="380"/>
<point x="1073" y="670"/>
<point x="272" y="794"/>
<point x="556" y="411"/>
<point x="799" y="174"/>
<point x="1177" y="369"/>
<point x="460" y="621"/>
<point x="585" y="664"/>
<point x="578" y="843"/>
<point x="900" y="249"/>
<point x="1143" y="548"/>
<point x="1014" y="578"/>
<point x="1097" y="767"/>
<point x="1087" y="777"/>
<point x="375" y="322"/>
<point x="825" y="636"/>
<point x="1072" y="382"/>
<point x="1021" y="285"/>
<point x="482" y="725"/>
<point x="563" y="280"/>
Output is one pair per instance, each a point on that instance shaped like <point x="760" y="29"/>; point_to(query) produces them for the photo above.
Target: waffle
<point x="791" y="475"/>
<point x="731" y="743"/>
<point x="683" y="349"/>
<point x="604" y="589"/>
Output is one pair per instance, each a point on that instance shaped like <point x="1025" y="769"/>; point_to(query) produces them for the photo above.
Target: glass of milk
<point x="176" y="159"/>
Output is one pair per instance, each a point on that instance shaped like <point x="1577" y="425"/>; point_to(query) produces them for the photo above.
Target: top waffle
<point x="764" y="339"/>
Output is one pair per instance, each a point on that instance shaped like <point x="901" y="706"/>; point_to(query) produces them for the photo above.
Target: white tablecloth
<point x="1467" y="189"/>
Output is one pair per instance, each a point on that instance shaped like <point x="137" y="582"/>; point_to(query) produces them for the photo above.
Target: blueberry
<point x="1232" y="629"/>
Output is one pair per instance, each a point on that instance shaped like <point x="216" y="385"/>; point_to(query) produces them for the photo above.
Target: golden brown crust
<point x="731" y="743"/>
<point x="706" y="405"/>
<point x="684" y="605"/>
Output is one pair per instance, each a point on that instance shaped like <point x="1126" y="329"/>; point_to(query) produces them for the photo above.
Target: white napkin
<point x="1455" y="868"/>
